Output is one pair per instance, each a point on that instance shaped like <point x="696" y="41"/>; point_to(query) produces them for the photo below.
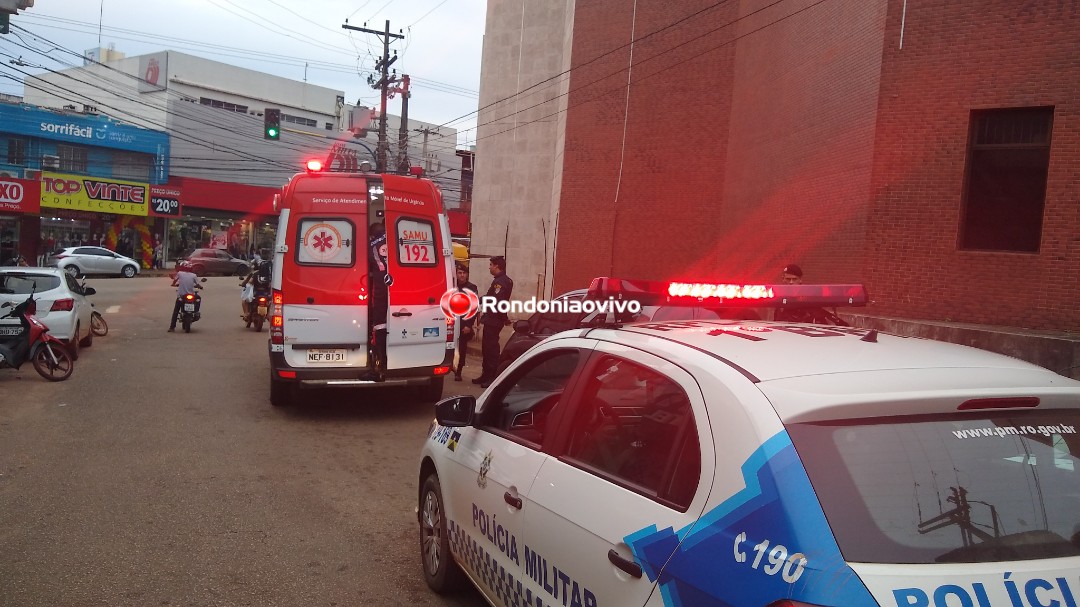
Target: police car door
<point x="419" y="264"/>
<point x="493" y="466"/>
<point x="633" y="468"/>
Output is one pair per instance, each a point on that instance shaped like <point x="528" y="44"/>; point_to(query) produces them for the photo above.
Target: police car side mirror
<point x="456" y="411"/>
<point x="521" y="326"/>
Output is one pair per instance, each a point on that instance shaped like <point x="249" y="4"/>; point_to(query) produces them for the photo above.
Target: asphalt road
<point x="159" y="474"/>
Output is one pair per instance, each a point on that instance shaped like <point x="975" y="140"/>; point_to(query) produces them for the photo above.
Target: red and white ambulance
<point x="321" y="329"/>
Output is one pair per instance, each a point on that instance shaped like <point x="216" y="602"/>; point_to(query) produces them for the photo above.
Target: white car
<point x="80" y="261"/>
<point x="757" y="463"/>
<point x="61" y="303"/>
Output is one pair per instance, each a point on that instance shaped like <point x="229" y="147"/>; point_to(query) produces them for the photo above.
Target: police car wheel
<point x="440" y="571"/>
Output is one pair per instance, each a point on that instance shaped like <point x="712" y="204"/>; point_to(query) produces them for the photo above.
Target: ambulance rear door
<point x="420" y="265"/>
<point x="323" y="273"/>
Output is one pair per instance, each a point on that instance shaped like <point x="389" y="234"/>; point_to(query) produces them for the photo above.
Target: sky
<point x="288" y="38"/>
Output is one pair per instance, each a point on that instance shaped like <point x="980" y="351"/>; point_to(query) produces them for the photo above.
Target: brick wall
<point x="958" y="57"/>
<point x="749" y="135"/>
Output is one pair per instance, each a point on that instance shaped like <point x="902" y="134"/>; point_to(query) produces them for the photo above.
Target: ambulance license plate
<point x="189" y="307"/>
<point x="326" y="356"/>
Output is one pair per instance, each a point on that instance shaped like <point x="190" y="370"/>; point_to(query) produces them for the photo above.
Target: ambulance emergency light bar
<point x="714" y="295"/>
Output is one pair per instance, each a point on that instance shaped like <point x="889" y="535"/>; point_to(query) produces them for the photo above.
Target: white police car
<point x="757" y="463"/>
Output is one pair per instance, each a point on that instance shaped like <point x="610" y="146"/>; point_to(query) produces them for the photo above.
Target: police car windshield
<point x="948" y="488"/>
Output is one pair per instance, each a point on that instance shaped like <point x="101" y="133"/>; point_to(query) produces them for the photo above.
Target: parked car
<point x="61" y="303"/>
<point x="80" y="261"/>
<point x="215" y="261"/>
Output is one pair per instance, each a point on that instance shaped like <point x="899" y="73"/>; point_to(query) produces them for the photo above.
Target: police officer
<point x="466" y="323"/>
<point x="493" y="322"/>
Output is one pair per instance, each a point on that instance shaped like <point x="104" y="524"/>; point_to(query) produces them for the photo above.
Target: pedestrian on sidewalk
<point x="493" y="322"/>
<point x="466" y="323"/>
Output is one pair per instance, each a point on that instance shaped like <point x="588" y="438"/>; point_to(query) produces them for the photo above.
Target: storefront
<point x="236" y="217"/>
<point x="19" y="205"/>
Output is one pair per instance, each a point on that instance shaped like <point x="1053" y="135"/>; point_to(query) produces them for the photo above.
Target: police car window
<point x="635" y="426"/>
<point x="325" y="241"/>
<point x="523" y="408"/>
<point x="949" y="489"/>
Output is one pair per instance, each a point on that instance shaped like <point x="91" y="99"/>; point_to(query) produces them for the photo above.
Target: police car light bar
<point x="728" y="295"/>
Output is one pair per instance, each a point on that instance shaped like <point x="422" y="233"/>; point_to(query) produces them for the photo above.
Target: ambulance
<point x="324" y="313"/>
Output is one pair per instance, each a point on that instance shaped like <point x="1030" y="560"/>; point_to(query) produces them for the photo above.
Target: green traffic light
<point x="272" y="132"/>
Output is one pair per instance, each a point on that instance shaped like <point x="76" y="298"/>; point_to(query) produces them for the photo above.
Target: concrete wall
<point x="526" y="46"/>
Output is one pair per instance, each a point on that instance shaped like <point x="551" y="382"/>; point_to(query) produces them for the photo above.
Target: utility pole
<point x="382" y="84"/>
<point x="403" y="129"/>
<point x="423" y="151"/>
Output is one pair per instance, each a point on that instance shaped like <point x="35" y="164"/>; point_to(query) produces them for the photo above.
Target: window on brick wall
<point x="1008" y="158"/>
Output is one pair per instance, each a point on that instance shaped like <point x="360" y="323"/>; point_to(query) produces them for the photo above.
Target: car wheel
<point x="128" y="271"/>
<point x="242" y="270"/>
<point x="88" y="341"/>
<point x="73" y="344"/>
<point x="198" y="270"/>
<point x="73" y="271"/>
<point x="440" y="571"/>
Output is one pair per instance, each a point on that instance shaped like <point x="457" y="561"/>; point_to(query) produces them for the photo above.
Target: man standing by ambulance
<point x="493" y="322"/>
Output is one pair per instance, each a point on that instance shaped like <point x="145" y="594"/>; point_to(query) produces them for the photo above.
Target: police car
<point x="756" y="463"/>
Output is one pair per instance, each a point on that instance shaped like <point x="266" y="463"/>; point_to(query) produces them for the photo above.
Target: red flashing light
<point x="442" y="370"/>
<point x="1019" y="402"/>
<point x="416" y="171"/>
<point x="649" y="292"/>
<point x="314" y="166"/>
<point x="719" y="291"/>
<point x="63" y="305"/>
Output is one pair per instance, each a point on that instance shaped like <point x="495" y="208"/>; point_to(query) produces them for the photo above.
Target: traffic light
<point x="272" y="123"/>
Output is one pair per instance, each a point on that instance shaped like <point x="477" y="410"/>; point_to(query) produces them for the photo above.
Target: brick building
<point x="928" y="149"/>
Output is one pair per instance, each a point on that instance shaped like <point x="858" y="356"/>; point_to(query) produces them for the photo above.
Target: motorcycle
<point x="98" y="326"/>
<point x="257" y="309"/>
<point x="31" y="341"/>
<point x="189" y="309"/>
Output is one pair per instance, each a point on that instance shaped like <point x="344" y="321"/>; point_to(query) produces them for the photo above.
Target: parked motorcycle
<point x="31" y="341"/>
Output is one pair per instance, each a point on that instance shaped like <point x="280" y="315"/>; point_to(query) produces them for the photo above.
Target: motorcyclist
<point x="258" y="278"/>
<point x="186" y="283"/>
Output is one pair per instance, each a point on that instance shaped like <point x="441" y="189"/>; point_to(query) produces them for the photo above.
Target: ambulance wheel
<point x="440" y="571"/>
<point x="433" y="391"/>
<point x="281" y="393"/>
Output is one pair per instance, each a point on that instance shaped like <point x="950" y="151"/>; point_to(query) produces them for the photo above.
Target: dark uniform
<point x="379" y="301"/>
<point x="501" y="288"/>
<point x="466" y="336"/>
